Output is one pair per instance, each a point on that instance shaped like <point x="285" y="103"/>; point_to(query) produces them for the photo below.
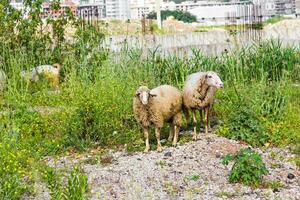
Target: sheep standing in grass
<point x="157" y="106"/>
<point x="2" y="80"/>
<point x="51" y="73"/>
<point x="198" y="94"/>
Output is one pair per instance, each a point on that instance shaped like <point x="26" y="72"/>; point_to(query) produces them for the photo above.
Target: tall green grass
<point x="259" y="105"/>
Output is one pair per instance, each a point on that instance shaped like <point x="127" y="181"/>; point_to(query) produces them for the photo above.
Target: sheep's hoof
<point x="195" y="137"/>
<point x="146" y="150"/>
<point x="159" y="149"/>
<point x="174" y="144"/>
<point x="170" y="139"/>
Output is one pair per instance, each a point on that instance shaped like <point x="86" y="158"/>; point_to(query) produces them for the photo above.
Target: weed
<point x="161" y="163"/>
<point x="75" y="189"/>
<point x="272" y="184"/>
<point x="224" y="194"/>
<point x="248" y="167"/>
<point x="192" y="178"/>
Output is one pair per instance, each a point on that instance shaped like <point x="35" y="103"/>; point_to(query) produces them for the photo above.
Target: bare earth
<point x="190" y="171"/>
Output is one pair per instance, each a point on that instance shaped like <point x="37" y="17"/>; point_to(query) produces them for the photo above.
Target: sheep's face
<point x="143" y="93"/>
<point x="57" y="66"/>
<point x="212" y="79"/>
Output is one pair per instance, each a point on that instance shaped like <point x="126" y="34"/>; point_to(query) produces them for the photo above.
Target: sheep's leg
<point x="176" y="130"/>
<point x="201" y="117"/>
<point x="157" y="133"/>
<point x="171" y="134"/>
<point x="206" y="119"/>
<point x="187" y="116"/>
<point x="209" y="126"/>
<point x="146" y="135"/>
<point x="195" y="125"/>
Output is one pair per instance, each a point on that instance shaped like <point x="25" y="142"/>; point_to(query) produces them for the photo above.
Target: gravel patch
<point x="190" y="171"/>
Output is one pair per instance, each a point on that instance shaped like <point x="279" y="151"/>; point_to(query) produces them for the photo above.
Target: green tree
<point x="179" y="15"/>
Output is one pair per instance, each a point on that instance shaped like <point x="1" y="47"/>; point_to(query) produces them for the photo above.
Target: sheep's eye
<point x="209" y="76"/>
<point x="138" y="94"/>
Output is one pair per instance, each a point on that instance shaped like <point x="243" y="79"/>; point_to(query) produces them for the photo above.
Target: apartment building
<point x="18" y="4"/>
<point x="285" y="7"/>
<point x="110" y="9"/>
<point x="91" y="8"/>
<point x="117" y="9"/>
<point x="297" y="5"/>
<point x="46" y="6"/>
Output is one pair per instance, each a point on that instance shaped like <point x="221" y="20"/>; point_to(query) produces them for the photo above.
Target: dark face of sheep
<point x="143" y="93"/>
<point x="212" y="79"/>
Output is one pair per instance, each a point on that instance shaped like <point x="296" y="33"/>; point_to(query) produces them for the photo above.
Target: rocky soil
<point x="190" y="171"/>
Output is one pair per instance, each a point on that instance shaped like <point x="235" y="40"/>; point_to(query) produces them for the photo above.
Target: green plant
<point x="76" y="189"/>
<point x="192" y="178"/>
<point x="243" y="124"/>
<point x="272" y="184"/>
<point x="77" y="185"/>
<point x="248" y="167"/>
<point x="179" y="15"/>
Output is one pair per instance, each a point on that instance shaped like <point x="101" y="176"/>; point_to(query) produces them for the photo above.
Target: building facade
<point x="91" y="8"/>
<point x="18" y="4"/>
<point x="65" y="4"/>
<point x="285" y="7"/>
<point x="110" y="9"/>
<point x="221" y="13"/>
<point x="297" y="5"/>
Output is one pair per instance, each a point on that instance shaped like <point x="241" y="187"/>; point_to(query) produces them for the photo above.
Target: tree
<point x="179" y="15"/>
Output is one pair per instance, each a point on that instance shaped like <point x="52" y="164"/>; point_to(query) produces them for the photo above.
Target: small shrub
<point x="248" y="167"/>
<point x="243" y="124"/>
<point x="76" y="189"/>
<point x="77" y="186"/>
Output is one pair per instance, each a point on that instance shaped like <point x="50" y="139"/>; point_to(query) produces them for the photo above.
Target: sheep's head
<point x="212" y="79"/>
<point x="143" y="94"/>
<point x="57" y="66"/>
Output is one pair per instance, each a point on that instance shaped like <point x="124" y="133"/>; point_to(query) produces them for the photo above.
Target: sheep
<point x="157" y="106"/>
<point x="51" y="72"/>
<point x="198" y="94"/>
<point x="2" y="80"/>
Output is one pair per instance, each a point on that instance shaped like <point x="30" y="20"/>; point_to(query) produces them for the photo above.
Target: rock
<point x="193" y="167"/>
<point x="276" y="190"/>
<point x="163" y="141"/>
<point x="291" y="176"/>
<point x="168" y="154"/>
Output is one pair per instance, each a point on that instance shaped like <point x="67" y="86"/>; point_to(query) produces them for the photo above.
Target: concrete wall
<point x="210" y="43"/>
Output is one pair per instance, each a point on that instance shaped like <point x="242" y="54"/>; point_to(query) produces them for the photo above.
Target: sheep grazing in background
<point x="198" y="94"/>
<point x="51" y="73"/>
<point x="157" y="106"/>
<point x="2" y="80"/>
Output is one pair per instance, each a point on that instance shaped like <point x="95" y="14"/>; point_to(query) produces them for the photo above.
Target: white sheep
<point x="51" y="72"/>
<point x="198" y="94"/>
<point x="2" y="80"/>
<point x="157" y="106"/>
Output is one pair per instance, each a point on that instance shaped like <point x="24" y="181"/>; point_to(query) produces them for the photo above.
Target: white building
<point x="218" y="13"/>
<point x="92" y="8"/>
<point x="297" y="3"/>
<point x="111" y="9"/>
<point x="138" y="8"/>
<point x="18" y="4"/>
<point x="117" y="9"/>
<point x="189" y="5"/>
